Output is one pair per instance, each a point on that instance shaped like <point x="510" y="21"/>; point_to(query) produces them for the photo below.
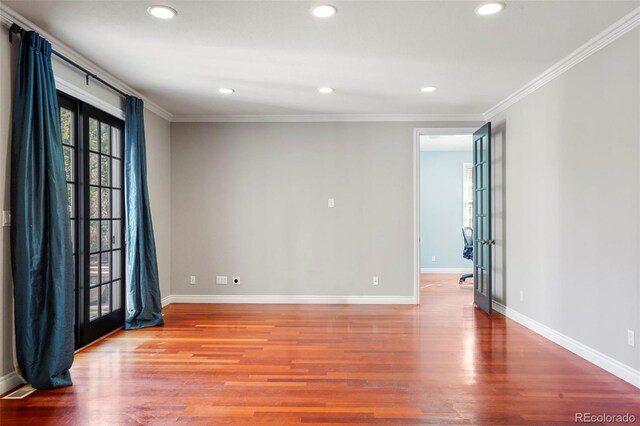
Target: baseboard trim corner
<point x="9" y="382"/>
<point x="165" y="301"/>
<point x="613" y="366"/>
<point x="289" y="299"/>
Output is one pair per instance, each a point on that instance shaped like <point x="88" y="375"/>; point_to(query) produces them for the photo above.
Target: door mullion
<point x="85" y="270"/>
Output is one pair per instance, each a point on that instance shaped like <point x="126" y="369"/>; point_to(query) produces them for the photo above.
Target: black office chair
<point x="467" y="252"/>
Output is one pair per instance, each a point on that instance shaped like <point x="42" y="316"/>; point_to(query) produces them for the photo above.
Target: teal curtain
<point x="41" y="255"/>
<point x="143" y="288"/>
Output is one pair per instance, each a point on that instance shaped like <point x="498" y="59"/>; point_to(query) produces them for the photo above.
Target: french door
<point x="483" y="241"/>
<point x="93" y="155"/>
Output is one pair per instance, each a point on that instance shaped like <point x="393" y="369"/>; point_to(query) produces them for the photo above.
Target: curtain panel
<point x="41" y="254"/>
<point x="143" y="287"/>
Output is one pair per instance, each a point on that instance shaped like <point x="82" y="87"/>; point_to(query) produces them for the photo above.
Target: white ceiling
<point x="376" y="54"/>
<point x="445" y="142"/>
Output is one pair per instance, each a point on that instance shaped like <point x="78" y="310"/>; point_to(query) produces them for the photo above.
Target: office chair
<point x="467" y="252"/>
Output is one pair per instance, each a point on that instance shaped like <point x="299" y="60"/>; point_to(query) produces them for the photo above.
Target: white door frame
<point x="417" y="132"/>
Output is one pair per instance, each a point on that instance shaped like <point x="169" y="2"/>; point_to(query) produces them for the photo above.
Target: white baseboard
<point x="446" y="270"/>
<point x="165" y="301"/>
<point x="603" y="361"/>
<point x="234" y="298"/>
<point x="9" y="381"/>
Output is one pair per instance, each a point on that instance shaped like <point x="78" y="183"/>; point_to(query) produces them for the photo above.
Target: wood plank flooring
<point x="442" y="362"/>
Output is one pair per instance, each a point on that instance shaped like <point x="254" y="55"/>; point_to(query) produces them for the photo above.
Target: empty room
<point x="341" y="212"/>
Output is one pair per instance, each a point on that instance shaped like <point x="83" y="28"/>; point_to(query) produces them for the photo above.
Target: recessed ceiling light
<point x="162" y="12"/>
<point x="324" y="11"/>
<point x="326" y="90"/>
<point x="490" y="8"/>
<point x="428" y="89"/>
<point x="225" y="90"/>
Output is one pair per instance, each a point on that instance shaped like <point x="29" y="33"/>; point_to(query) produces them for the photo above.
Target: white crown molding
<point x="9" y="381"/>
<point x="612" y="33"/>
<point x="606" y="37"/>
<point x="613" y="366"/>
<point x="325" y="118"/>
<point x="8" y="16"/>
<point x="252" y="298"/>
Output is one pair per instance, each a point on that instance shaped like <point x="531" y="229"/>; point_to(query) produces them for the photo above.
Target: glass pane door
<point x="483" y="242"/>
<point x="69" y="130"/>
<point x="104" y="291"/>
<point x="92" y="145"/>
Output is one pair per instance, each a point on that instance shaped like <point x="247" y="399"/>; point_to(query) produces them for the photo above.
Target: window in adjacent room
<point x="467" y="195"/>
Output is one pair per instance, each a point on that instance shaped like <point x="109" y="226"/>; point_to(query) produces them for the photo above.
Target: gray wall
<point x="571" y="198"/>
<point x="250" y="200"/>
<point x="158" y="135"/>
<point x="441" y="212"/>
<point x="159" y="166"/>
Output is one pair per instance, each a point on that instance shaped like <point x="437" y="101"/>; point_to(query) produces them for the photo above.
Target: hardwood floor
<point x="442" y="362"/>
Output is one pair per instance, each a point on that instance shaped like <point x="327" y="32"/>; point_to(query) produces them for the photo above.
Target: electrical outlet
<point x="221" y="280"/>
<point x="6" y="218"/>
<point x="521" y="296"/>
<point x="631" y="338"/>
<point x="192" y="280"/>
<point x="331" y="203"/>
<point x="433" y="258"/>
<point x="375" y="281"/>
<point x="235" y="280"/>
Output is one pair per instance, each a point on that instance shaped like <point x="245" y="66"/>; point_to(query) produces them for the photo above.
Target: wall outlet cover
<point x="221" y="280"/>
<point x="375" y="281"/>
<point x="192" y="280"/>
<point x="6" y="218"/>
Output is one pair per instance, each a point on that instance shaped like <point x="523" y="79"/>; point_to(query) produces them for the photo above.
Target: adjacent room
<point x="446" y="211"/>
<point x="297" y="212"/>
<point x="446" y="203"/>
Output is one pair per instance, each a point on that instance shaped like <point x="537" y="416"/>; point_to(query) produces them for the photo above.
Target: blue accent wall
<point x="441" y="208"/>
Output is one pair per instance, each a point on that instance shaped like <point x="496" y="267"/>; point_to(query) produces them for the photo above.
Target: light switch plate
<point x="6" y="218"/>
<point x="331" y="203"/>
<point x="221" y="280"/>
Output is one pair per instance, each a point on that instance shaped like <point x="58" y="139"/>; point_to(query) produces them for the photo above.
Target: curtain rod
<point x="17" y="29"/>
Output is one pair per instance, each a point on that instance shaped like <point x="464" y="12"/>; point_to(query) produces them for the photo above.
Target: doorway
<point x="93" y="151"/>
<point x="443" y="199"/>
